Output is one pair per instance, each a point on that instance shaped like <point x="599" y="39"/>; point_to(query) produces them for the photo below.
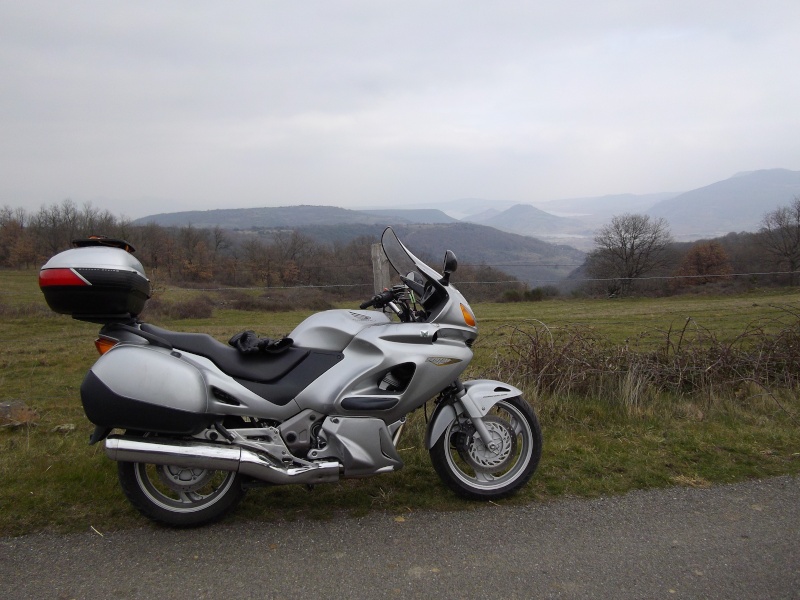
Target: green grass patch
<point x="609" y="441"/>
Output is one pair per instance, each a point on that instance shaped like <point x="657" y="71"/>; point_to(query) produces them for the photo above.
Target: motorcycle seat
<point x="258" y="367"/>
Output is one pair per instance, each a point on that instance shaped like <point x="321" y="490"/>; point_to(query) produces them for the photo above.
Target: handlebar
<point x="379" y="300"/>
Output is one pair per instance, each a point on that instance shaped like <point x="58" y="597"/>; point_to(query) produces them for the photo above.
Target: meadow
<point x="631" y="393"/>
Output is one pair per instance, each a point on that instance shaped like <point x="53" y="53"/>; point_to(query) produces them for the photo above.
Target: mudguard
<point x="480" y="395"/>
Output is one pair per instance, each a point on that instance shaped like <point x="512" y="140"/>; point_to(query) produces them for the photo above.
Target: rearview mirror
<point x="450" y="266"/>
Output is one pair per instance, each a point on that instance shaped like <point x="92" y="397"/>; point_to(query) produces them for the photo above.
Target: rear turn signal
<point x="104" y="344"/>
<point x="468" y="318"/>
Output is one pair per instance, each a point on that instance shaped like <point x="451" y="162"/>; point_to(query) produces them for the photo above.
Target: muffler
<point x="198" y="455"/>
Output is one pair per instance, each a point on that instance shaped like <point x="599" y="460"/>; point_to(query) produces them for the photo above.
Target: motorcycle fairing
<point x="362" y="444"/>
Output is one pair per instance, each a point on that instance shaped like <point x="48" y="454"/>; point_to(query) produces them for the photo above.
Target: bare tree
<point x="628" y="248"/>
<point x="780" y="235"/>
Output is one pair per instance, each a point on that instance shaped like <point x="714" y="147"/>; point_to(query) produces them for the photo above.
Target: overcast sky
<point x="143" y="107"/>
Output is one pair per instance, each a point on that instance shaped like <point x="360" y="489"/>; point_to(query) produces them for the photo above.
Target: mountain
<point x="465" y="207"/>
<point x="530" y="259"/>
<point x="735" y="204"/>
<point x="247" y="218"/>
<point x="292" y="216"/>
<point x="419" y="215"/>
<point x="732" y="205"/>
<point x="602" y="207"/>
<point x="525" y="219"/>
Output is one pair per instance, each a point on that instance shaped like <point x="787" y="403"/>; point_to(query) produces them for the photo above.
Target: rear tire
<point x="180" y="497"/>
<point x="472" y="470"/>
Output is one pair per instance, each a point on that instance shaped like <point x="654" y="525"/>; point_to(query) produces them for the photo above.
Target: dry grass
<point x="711" y="400"/>
<point x="689" y="363"/>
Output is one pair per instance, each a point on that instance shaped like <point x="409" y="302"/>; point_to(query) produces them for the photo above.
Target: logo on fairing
<point x="360" y="317"/>
<point x="443" y="361"/>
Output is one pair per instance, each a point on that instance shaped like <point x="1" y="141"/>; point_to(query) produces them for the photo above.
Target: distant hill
<point x="529" y="259"/>
<point x="603" y="207"/>
<point x="247" y="218"/>
<point x="411" y="215"/>
<point x="732" y="205"/>
<point x="293" y="216"/>
<point x="736" y="204"/>
<point x="525" y="219"/>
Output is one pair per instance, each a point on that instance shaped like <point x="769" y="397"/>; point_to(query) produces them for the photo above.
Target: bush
<point x="198" y="307"/>
<point x="689" y="361"/>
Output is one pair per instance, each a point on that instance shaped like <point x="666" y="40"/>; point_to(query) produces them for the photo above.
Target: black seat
<point x="257" y="367"/>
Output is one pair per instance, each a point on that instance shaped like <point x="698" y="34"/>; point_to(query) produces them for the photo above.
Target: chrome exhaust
<point x="198" y="455"/>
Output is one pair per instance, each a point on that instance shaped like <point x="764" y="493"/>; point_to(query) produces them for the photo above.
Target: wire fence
<point x="576" y="280"/>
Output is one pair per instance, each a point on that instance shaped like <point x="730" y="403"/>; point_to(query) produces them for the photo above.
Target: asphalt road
<point x="738" y="541"/>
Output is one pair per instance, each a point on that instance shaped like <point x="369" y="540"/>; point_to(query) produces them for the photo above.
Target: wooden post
<point x="381" y="271"/>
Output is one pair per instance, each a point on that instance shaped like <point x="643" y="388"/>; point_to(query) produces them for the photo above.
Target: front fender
<point x="480" y="395"/>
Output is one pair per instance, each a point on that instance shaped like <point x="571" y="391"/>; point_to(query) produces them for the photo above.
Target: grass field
<point x="593" y="444"/>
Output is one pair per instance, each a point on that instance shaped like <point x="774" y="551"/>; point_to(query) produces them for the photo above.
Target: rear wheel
<point x="476" y="470"/>
<point x="178" y="496"/>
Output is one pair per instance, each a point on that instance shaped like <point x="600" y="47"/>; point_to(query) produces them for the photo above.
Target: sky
<point x="150" y="106"/>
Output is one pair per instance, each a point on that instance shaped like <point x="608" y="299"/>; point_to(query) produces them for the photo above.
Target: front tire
<point x="180" y="497"/>
<point x="469" y="468"/>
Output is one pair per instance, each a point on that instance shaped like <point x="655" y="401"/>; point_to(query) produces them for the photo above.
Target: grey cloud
<point x="208" y="103"/>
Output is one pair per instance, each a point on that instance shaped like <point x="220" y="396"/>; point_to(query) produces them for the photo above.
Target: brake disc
<point x="474" y="452"/>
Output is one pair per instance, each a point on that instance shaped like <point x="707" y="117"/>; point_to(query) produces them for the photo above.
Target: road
<point x="737" y="541"/>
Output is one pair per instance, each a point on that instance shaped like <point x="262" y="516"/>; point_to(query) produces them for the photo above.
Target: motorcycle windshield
<point x="401" y="258"/>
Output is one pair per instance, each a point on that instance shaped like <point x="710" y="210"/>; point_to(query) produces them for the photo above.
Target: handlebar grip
<point x="379" y="300"/>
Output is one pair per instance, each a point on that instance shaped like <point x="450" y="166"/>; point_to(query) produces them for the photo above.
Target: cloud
<point x="203" y="104"/>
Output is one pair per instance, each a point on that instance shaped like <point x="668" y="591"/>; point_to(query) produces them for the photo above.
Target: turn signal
<point x="104" y="344"/>
<point x="468" y="318"/>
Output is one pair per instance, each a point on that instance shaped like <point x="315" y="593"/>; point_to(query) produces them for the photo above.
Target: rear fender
<point x="480" y="395"/>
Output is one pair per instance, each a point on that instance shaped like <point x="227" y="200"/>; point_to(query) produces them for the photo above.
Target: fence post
<point x="381" y="274"/>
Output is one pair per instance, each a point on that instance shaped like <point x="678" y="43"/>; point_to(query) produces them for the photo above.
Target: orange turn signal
<point x="469" y="319"/>
<point x="104" y="344"/>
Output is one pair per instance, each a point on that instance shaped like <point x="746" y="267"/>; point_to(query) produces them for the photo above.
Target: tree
<point x="780" y="235"/>
<point x="629" y="247"/>
<point x="703" y="263"/>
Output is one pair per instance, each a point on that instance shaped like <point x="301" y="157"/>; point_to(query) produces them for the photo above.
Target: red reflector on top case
<point x="50" y="277"/>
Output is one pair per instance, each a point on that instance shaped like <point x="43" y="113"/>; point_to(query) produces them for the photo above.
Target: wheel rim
<point x="471" y="461"/>
<point x="182" y="490"/>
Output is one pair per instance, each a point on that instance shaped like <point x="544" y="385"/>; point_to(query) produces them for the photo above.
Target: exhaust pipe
<point x="198" y="455"/>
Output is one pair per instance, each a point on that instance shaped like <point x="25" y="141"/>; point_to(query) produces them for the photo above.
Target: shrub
<point x="197" y="307"/>
<point x="534" y="295"/>
<point x="689" y="361"/>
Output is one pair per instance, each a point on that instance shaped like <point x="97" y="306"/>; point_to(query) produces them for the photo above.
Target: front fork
<point x="473" y="398"/>
<point x="476" y="414"/>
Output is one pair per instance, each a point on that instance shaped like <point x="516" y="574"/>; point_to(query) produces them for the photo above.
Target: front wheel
<point x="177" y="496"/>
<point x="470" y="468"/>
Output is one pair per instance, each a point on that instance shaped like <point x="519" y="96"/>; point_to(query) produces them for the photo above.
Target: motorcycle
<point x="202" y="422"/>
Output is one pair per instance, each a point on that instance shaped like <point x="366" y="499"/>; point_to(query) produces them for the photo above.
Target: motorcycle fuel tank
<point x="335" y="329"/>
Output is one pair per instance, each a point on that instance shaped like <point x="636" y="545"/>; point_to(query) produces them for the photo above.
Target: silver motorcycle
<point x="204" y="421"/>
